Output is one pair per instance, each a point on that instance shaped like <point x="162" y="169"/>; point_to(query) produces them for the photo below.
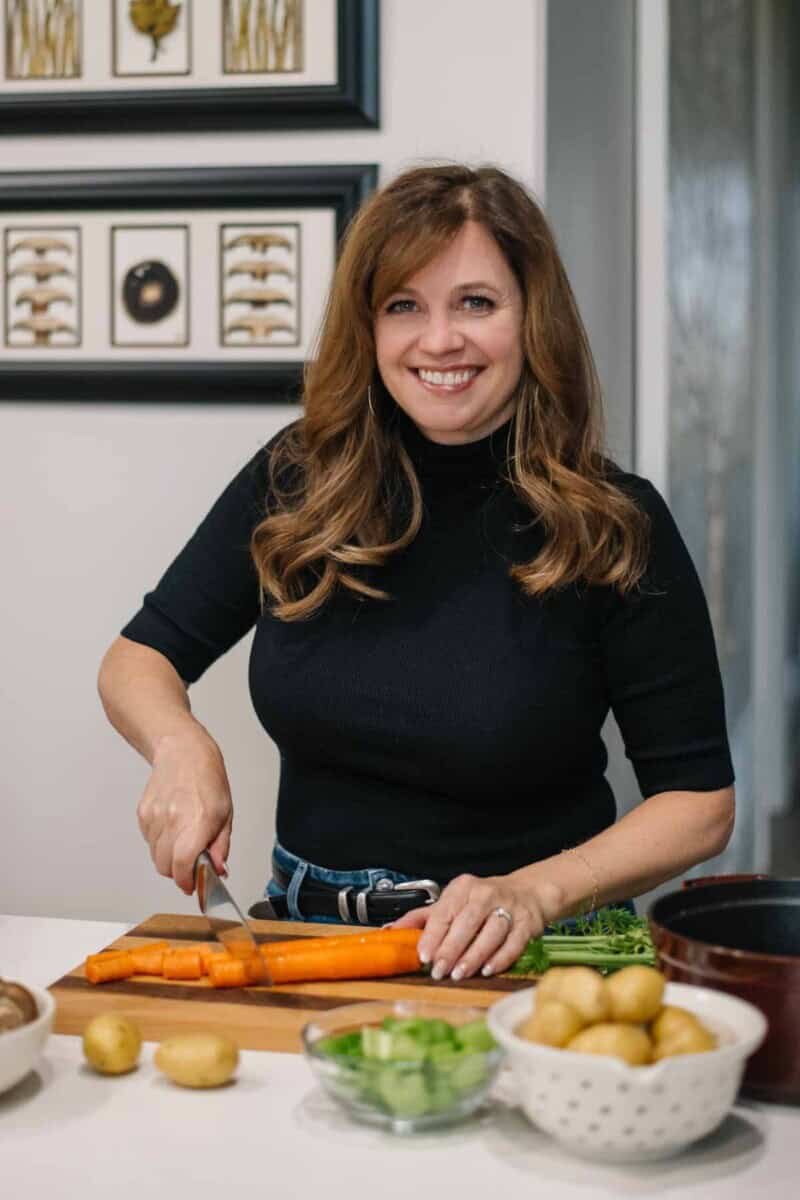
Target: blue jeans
<point x="299" y="870"/>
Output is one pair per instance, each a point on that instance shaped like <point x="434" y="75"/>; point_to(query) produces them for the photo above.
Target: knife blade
<point x="227" y="922"/>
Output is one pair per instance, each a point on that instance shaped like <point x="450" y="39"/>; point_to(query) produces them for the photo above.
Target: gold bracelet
<point x="590" y="869"/>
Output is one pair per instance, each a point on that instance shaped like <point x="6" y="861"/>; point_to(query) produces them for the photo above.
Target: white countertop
<point x="66" y="1131"/>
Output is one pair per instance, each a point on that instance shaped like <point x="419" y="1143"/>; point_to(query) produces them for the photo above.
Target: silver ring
<point x="504" y="913"/>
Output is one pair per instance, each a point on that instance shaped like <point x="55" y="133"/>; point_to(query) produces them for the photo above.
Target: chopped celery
<point x="413" y="1066"/>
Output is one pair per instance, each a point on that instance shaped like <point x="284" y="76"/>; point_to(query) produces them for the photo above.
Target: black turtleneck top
<point x="456" y="726"/>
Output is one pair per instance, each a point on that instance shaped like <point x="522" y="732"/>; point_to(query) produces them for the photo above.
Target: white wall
<point x="95" y="500"/>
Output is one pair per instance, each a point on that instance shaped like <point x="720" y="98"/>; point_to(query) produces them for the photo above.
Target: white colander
<point x="604" y="1109"/>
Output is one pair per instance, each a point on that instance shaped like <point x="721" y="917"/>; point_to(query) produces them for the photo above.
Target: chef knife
<point x="224" y="916"/>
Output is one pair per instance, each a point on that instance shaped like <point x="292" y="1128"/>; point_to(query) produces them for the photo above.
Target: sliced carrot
<point x="105" y="955"/>
<point x="182" y="964"/>
<point x="207" y="951"/>
<point x="363" y="961"/>
<point x="300" y="945"/>
<point x="117" y="966"/>
<point x="148" y="960"/>
<point x="226" y="970"/>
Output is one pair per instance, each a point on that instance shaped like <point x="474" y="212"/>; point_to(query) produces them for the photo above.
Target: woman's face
<point x="449" y="343"/>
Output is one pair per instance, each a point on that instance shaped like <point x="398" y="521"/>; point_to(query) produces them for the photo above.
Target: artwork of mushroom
<point x="259" y="275"/>
<point x="34" y="259"/>
<point x="149" y="292"/>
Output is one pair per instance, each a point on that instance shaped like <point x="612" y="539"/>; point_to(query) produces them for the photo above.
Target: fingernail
<point x="440" y="970"/>
<point x="487" y="969"/>
<point x="424" y="956"/>
<point x="457" y="972"/>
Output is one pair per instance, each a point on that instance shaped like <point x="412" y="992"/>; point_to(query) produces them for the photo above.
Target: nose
<point x="440" y="335"/>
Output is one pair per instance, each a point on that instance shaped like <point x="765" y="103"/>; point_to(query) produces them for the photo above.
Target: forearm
<point x="143" y="696"/>
<point x="658" y="840"/>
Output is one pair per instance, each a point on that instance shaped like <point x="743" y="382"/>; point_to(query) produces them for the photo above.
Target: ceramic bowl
<point x="602" y="1108"/>
<point x="20" y="1048"/>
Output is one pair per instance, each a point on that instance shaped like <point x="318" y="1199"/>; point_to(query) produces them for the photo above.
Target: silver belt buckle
<point x="383" y="887"/>
<point x="421" y="885"/>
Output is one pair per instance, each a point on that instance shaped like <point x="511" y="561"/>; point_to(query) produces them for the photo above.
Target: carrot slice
<point x="370" y="961"/>
<point x="148" y="960"/>
<point x="207" y="951"/>
<point x="226" y="970"/>
<point x="105" y="955"/>
<point x="116" y="966"/>
<point x="182" y="964"/>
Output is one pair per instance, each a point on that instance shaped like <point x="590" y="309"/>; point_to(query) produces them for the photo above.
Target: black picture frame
<point x="341" y="188"/>
<point x="350" y="103"/>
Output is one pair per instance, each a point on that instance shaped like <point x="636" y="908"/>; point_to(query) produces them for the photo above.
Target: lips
<point x="451" y="380"/>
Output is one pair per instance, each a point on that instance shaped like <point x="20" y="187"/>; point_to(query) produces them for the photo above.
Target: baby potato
<point x="111" y="1043"/>
<point x="615" y="1039"/>
<point x="670" y="1020"/>
<point x="552" y="1023"/>
<point x="548" y="986"/>
<point x="635" y="994"/>
<point x="197" y="1060"/>
<point x="582" y="988"/>
<point x="688" y="1039"/>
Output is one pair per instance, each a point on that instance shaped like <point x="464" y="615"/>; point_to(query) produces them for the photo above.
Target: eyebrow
<point x="460" y="287"/>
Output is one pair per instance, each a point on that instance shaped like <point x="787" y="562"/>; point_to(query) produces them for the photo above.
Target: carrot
<point x="363" y="961"/>
<point x="207" y="952"/>
<point x="114" y="966"/>
<point x="300" y="945"/>
<point x="149" y="960"/>
<point x="225" y="970"/>
<point x="105" y="955"/>
<point x="182" y="964"/>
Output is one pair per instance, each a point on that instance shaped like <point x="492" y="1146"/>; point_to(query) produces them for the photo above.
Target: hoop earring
<point x="369" y="401"/>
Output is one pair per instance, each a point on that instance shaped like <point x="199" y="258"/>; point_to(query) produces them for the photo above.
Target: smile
<point x="449" y="380"/>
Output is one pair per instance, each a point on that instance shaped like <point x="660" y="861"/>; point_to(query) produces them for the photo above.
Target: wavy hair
<point x="344" y="495"/>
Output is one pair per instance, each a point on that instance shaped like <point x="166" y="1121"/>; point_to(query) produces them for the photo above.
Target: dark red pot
<point x="741" y="934"/>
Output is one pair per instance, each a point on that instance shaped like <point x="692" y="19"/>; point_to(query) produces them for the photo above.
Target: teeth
<point x="447" y="378"/>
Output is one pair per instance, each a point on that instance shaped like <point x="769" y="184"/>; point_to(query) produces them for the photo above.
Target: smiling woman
<point x="450" y="586"/>
<point x="449" y="343"/>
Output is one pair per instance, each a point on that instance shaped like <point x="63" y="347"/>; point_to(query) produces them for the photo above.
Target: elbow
<point x="721" y="820"/>
<point x="104" y="674"/>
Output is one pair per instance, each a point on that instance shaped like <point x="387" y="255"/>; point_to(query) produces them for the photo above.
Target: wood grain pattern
<point x="257" y="1018"/>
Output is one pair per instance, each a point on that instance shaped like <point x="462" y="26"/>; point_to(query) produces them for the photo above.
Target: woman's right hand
<point x="186" y="807"/>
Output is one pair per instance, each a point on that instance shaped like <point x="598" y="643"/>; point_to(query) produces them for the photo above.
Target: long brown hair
<point x="344" y="492"/>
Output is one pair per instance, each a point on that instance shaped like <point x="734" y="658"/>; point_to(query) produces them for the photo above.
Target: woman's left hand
<point x="465" y="931"/>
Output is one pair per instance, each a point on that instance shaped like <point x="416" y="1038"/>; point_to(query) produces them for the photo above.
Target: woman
<point x="450" y="587"/>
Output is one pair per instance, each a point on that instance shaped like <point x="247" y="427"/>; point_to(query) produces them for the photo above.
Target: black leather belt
<point x="355" y="906"/>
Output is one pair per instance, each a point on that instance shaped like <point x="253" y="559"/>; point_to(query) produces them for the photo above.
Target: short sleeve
<point x="208" y="597"/>
<point x="665" y="688"/>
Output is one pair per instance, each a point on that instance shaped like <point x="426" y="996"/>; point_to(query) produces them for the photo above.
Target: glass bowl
<point x="400" y="1075"/>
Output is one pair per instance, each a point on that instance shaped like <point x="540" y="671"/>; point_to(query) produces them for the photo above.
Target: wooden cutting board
<point x="257" y="1018"/>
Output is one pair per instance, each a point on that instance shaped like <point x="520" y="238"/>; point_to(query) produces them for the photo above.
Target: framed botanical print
<point x="178" y="285"/>
<point x="111" y="65"/>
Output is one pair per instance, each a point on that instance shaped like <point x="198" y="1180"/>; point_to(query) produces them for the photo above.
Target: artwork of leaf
<point x="156" y="19"/>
